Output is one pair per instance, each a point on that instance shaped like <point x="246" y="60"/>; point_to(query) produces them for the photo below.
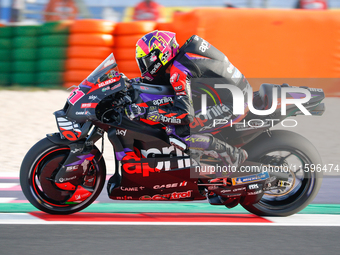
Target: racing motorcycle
<point x="65" y="172"/>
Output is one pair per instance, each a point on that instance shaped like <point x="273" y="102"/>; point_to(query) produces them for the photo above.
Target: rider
<point x="162" y="61"/>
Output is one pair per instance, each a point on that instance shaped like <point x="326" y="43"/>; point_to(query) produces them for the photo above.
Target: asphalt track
<point x="93" y="240"/>
<point x="168" y="228"/>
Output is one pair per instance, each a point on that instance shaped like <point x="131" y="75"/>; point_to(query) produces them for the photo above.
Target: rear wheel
<point x="295" y="153"/>
<point x="37" y="173"/>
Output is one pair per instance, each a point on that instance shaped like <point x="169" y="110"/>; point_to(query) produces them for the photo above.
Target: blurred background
<point x="54" y="44"/>
<point x="35" y="10"/>
<point x="57" y="43"/>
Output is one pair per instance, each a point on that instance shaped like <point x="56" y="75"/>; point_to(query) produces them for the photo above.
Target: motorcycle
<point x="65" y="172"/>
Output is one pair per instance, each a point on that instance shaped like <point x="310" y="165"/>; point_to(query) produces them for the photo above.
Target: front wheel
<point x="286" y="150"/>
<point x="37" y="173"/>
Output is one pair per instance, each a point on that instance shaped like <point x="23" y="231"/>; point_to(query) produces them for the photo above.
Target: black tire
<point x="307" y="182"/>
<point x="39" y="162"/>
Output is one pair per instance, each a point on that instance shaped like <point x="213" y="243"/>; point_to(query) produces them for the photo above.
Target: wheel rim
<point x="43" y="189"/>
<point x="302" y="180"/>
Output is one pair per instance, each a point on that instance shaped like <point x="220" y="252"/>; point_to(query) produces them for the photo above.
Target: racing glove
<point x="135" y="111"/>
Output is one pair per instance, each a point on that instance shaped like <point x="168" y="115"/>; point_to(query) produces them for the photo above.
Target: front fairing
<point x="81" y="104"/>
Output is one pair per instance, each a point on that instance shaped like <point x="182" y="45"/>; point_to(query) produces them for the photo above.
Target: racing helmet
<point x="154" y="52"/>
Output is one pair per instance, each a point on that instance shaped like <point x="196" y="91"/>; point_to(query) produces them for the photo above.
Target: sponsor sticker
<point x="171" y="185"/>
<point x="123" y="198"/>
<point x="204" y="46"/>
<point x="239" y="189"/>
<point x="255" y="192"/>
<point x="155" y="68"/>
<point x="165" y="56"/>
<point x="105" y="89"/>
<point x="67" y="179"/>
<point x="255" y="186"/>
<point x="92" y="97"/>
<point x="121" y="132"/>
<point x="137" y="167"/>
<point x="88" y="105"/>
<point x="71" y="168"/>
<point x="174" y="78"/>
<point x="131" y="188"/>
<point x="116" y="86"/>
<point x="169" y="196"/>
<point x="153" y="114"/>
<point x="107" y="82"/>
<point x="225" y="191"/>
<point x="249" y="178"/>
<point x="171" y="120"/>
<point x="164" y="100"/>
<point x="154" y="117"/>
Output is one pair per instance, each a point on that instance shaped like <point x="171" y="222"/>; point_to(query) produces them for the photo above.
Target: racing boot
<point x="231" y="155"/>
<point x="209" y="145"/>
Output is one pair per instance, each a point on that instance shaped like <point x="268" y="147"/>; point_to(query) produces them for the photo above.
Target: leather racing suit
<point x="196" y="59"/>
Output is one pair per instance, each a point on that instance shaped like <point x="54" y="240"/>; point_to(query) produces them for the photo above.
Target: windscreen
<point x="107" y="69"/>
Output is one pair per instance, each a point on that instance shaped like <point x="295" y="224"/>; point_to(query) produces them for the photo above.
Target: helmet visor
<point x="147" y="62"/>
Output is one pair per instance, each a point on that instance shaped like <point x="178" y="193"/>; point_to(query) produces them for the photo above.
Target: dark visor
<point x="147" y="61"/>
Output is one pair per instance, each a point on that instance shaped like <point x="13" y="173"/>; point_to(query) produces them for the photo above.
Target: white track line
<point x="128" y="223"/>
<point x="19" y="218"/>
<point x="314" y="219"/>
<point x="9" y="174"/>
<point x="295" y="220"/>
<point x="7" y="199"/>
<point x="4" y="186"/>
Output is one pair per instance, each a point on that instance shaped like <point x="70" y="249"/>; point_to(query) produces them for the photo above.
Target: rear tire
<point x="40" y="164"/>
<point x="306" y="183"/>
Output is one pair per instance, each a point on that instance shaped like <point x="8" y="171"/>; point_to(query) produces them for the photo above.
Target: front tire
<point x="37" y="172"/>
<point x="286" y="148"/>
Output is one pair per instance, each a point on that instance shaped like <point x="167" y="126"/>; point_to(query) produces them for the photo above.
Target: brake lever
<point x="126" y="100"/>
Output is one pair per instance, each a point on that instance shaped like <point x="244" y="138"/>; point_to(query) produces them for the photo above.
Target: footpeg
<point x="283" y="184"/>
